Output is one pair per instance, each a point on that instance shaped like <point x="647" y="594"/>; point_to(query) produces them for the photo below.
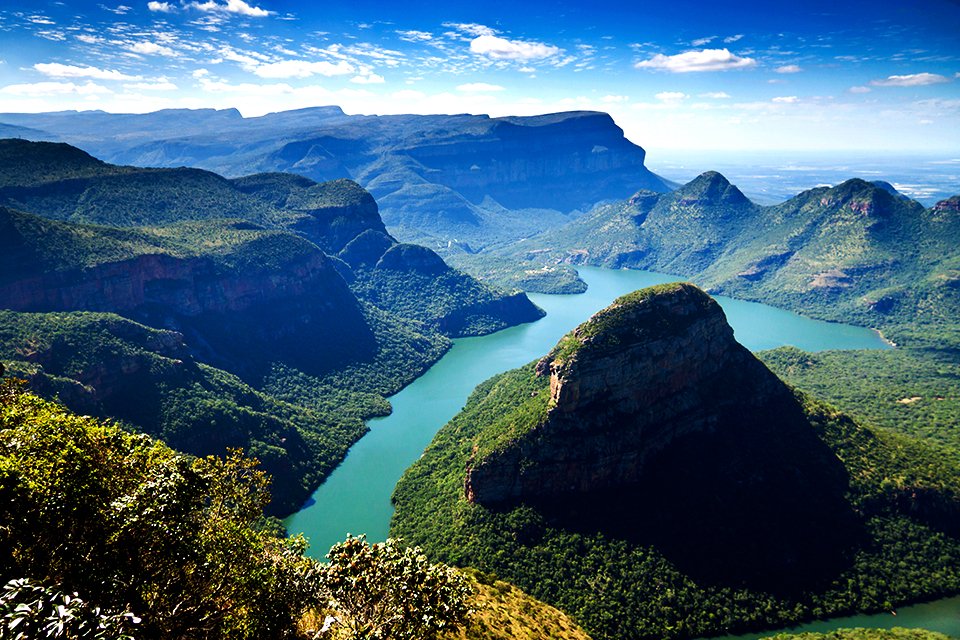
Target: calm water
<point x="942" y="615"/>
<point x="356" y="497"/>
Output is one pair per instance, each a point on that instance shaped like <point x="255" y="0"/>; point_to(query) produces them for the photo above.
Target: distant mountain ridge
<point x="471" y="180"/>
<point x="858" y="251"/>
<point x="275" y="312"/>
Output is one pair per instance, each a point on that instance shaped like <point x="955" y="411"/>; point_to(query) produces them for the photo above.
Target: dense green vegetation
<point x="852" y="253"/>
<point x="903" y="495"/>
<point x="276" y="348"/>
<point x="131" y="525"/>
<point x="908" y="390"/>
<point x="896" y="633"/>
<point x="110" y="535"/>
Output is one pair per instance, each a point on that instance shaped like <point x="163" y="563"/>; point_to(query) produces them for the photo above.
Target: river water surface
<point x="356" y="497"/>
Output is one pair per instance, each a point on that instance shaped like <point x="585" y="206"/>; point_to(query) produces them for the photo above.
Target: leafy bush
<point x="30" y="611"/>
<point x="386" y="591"/>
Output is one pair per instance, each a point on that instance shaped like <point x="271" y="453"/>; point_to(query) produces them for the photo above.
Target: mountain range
<point x="461" y="181"/>
<point x="857" y="252"/>
<point x="269" y="312"/>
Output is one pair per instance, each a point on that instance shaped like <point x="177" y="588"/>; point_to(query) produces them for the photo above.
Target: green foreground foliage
<point x="152" y="543"/>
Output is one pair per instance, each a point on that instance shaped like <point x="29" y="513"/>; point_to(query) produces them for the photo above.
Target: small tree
<point x="386" y="590"/>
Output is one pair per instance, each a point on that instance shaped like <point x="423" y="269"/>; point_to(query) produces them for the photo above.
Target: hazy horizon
<point x="759" y="76"/>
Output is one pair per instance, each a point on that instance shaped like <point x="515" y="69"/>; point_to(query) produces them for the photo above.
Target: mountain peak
<point x="710" y="187"/>
<point x="657" y="364"/>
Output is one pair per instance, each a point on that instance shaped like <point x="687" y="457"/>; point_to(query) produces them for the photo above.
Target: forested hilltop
<point x="652" y="478"/>
<point x="857" y="252"/>
<point x="270" y="312"/>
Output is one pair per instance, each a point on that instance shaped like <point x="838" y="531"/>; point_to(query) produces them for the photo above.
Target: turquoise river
<point x="356" y="497"/>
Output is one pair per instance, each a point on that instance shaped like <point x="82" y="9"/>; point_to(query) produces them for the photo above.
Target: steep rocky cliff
<point x="655" y="480"/>
<point x="652" y="371"/>
<point x="262" y="296"/>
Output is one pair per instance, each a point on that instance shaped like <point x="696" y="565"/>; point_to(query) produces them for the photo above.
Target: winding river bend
<point x="356" y="497"/>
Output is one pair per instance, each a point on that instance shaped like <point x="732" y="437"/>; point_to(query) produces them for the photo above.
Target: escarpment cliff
<point x="263" y="296"/>
<point x="656" y="367"/>
<point x="651" y="423"/>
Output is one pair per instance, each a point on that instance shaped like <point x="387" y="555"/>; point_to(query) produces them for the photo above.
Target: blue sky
<point x="881" y="76"/>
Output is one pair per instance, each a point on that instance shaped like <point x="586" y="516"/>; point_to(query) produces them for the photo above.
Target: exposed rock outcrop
<point x="653" y="367"/>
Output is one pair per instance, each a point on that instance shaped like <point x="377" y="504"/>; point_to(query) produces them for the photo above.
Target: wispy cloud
<point x="789" y="68"/>
<point x="733" y="38"/>
<point x="159" y="85"/>
<point x="715" y="95"/>
<point x="705" y="60"/>
<point x="119" y="9"/>
<point x="479" y="87"/>
<point x="859" y="89"/>
<point x="152" y="48"/>
<point x="671" y="97"/>
<point x="57" y="70"/>
<point x="502" y="49"/>
<point x="302" y="69"/>
<point x="42" y="89"/>
<point x="699" y="42"/>
<point x="911" y="80"/>
<point x="786" y="99"/>
<point x="471" y="28"/>
<point x="412" y="35"/>
<point x="368" y="78"/>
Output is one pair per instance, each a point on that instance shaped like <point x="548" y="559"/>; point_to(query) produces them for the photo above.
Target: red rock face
<point x="301" y="312"/>
<point x="669" y="368"/>
<point x="187" y="287"/>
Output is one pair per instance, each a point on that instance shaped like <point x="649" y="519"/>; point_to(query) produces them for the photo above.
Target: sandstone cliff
<point x="654" y="367"/>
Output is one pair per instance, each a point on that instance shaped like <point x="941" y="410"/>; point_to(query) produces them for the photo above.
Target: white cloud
<point x="859" y="89"/>
<point x="370" y="78"/>
<point x="699" y="42"/>
<point x="705" y="60"/>
<point x="786" y="99"/>
<point x="911" y="80"/>
<point x="671" y="97"/>
<point x="302" y="69"/>
<point x="413" y="35"/>
<point x="152" y="48"/>
<point x="502" y="49"/>
<point x="615" y="99"/>
<point x="789" y="68"/>
<point x="57" y="70"/>
<point x="732" y="39"/>
<point x="479" y="87"/>
<point x="199" y="73"/>
<point x="232" y="6"/>
<point x="471" y="28"/>
<point x="54" y="89"/>
<point x="160" y="85"/>
<point x="716" y="95"/>
<point x="162" y="7"/>
<point x="119" y="9"/>
<point x="89" y="39"/>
